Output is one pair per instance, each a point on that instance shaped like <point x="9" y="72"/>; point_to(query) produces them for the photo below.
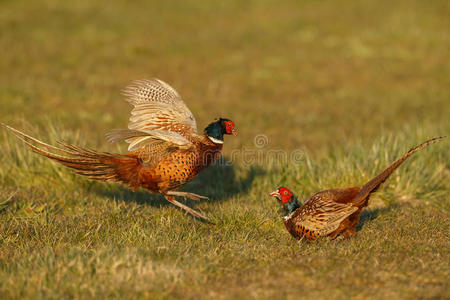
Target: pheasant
<point x="165" y="149"/>
<point x="332" y="212"/>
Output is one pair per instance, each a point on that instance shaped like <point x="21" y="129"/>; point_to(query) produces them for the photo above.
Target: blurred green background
<point x="288" y="69"/>
<point x="352" y="83"/>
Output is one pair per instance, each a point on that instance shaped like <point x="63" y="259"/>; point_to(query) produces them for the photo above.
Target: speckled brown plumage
<point x="165" y="149"/>
<point x="177" y="168"/>
<point x="336" y="211"/>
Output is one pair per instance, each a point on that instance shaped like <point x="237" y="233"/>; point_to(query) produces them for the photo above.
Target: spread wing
<point x="323" y="216"/>
<point x="159" y="114"/>
<point x="158" y="106"/>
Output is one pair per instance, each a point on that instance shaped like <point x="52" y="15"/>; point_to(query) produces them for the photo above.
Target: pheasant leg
<point x="187" y="195"/>
<point x="172" y="200"/>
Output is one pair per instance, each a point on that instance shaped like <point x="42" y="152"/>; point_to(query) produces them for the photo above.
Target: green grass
<point x="351" y="85"/>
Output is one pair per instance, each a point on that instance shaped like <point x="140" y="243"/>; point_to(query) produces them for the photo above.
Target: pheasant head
<point x="216" y="130"/>
<point x="287" y="199"/>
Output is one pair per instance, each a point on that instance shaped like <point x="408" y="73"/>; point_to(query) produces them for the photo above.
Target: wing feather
<point x="159" y="119"/>
<point x="158" y="106"/>
<point x="323" y="216"/>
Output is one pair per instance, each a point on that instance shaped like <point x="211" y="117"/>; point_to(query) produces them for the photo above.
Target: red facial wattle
<point x="229" y="127"/>
<point x="285" y="195"/>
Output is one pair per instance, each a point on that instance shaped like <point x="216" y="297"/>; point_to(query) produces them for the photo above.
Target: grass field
<point x="352" y="85"/>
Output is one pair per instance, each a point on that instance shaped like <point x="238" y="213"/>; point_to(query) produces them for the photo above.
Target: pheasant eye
<point x="285" y="192"/>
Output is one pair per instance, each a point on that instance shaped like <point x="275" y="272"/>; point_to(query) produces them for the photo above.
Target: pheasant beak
<point x="275" y="194"/>
<point x="234" y="132"/>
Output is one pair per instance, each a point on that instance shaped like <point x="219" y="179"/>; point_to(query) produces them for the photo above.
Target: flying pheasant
<point x="335" y="211"/>
<point x="165" y="149"/>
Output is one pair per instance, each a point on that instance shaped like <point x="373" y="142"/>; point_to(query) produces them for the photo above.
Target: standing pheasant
<point x="335" y="211"/>
<point x="165" y="148"/>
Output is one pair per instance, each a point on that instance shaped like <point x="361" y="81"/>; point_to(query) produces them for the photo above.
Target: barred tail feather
<point x="95" y="165"/>
<point x="373" y="185"/>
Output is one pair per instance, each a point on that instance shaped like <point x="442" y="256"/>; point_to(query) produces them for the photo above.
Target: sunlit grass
<point x="350" y="86"/>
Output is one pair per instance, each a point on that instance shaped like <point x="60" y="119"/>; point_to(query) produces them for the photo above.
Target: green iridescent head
<point x="216" y="130"/>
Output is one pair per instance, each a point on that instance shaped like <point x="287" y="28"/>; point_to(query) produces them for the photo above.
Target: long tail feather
<point x="95" y="165"/>
<point x="373" y="185"/>
<point x="26" y="138"/>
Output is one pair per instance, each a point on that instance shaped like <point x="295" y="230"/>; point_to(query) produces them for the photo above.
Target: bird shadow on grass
<point x="219" y="182"/>
<point x="369" y="215"/>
